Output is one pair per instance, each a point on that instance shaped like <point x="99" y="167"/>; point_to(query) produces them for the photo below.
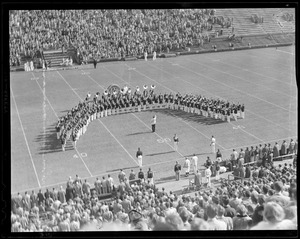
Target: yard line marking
<point x="195" y="129"/>
<point x="240" y="78"/>
<point x="12" y="93"/>
<point x="185" y="121"/>
<point x="212" y="59"/>
<point x="220" y="82"/>
<point x="157" y="163"/>
<point x="103" y="124"/>
<point x="286" y="52"/>
<point x="156" y="134"/>
<point x="88" y="75"/>
<point x="119" y="143"/>
<point x="152" y="79"/>
<point x="220" y="98"/>
<point x="170" y="113"/>
<point x="58" y="118"/>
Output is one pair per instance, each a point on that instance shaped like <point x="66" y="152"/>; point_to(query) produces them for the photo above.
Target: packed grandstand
<point x="263" y="194"/>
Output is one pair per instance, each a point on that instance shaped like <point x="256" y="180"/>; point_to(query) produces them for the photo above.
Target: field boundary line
<point x="253" y="96"/>
<point x="171" y="113"/>
<point x="238" y="77"/>
<point x="58" y="118"/>
<point x="251" y="112"/>
<point x="12" y="93"/>
<point x="156" y="134"/>
<point x="254" y="72"/>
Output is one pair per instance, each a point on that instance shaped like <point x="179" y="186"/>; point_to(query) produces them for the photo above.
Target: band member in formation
<point x="77" y="121"/>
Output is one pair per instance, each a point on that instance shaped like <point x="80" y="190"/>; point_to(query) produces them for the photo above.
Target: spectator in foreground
<point x="274" y="219"/>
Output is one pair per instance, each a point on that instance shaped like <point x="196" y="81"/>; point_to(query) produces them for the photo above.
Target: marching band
<point x="75" y="123"/>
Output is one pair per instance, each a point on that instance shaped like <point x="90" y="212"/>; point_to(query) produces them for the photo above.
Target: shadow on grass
<point x="189" y="117"/>
<point x="118" y="169"/>
<point x="160" y="153"/>
<point x="137" y="133"/>
<point x="49" y="142"/>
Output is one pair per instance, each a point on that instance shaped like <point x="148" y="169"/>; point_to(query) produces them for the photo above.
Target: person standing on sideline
<point x="145" y="55"/>
<point x="213" y="145"/>
<point x="176" y="141"/>
<point x="195" y="162"/>
<point x="187" y="166"/>
<point x="132" y="175"/>
<point x="141" y="175"/>
<point x="177" y="169"/>
<point x="154" y="55"/>
<point x="121" y="176"/>
<point x="153" y="123"/>
<point x="208" y="175"/>
<point x="198" y="179"/>
<point x="139" y="156"/>
<point x="95" y="63"/>
<point x="150" y="177"/>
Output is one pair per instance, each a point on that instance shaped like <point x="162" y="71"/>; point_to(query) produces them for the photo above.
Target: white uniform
<point x="145" y="54"/>
<point x="195" y="161"/>
<point x="154" y="56"/>
<point x="213" y="145"/>
<point x="207" y="176"/>
<point x="187" y="166"/>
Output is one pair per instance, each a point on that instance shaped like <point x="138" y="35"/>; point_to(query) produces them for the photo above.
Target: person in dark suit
<point x="95" y="63"/>
<point x="177" y="169"/>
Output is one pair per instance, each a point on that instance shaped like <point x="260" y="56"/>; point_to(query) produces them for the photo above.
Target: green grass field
<point x="263" y="79"/>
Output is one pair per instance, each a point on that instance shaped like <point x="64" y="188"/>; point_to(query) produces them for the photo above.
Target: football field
<point x="263" y="79"/>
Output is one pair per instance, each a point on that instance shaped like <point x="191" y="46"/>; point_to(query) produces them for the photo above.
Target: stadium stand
<point x="138" y="205"/>
<point x="90" y="34"/>
<point x="261" y="196"/>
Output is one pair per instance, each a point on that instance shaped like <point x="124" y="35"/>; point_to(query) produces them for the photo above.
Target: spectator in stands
<point x="241" y="221"/>
<point x="278" y="197"/>
<point x="274" y="219"/>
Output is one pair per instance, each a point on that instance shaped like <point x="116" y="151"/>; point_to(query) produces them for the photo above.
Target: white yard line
<point x="221" y="98"/>
<point x="188" y="123"/>
<point x="103" y="125"/>
<point x="245" y="93"/>
<point x="254" y="72"/>
<point x="251" y="82"/>
<point x="12" y="93"/>
<point x="156" y="134"/>
<point x="171" y="113"/>
<point x="58" y="118"/>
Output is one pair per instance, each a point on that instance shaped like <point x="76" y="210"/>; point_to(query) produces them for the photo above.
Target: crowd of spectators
<point x="265" y="200"/>
<point x="109" y="33"/>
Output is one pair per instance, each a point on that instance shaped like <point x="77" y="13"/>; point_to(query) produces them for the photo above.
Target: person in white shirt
<point x="145" y="55"/>
<point x="153" y="123"/>
<point x="154" y="55"/>
<point x="31" y="66"/>
<point x="213" y="145"/>
<point x="207" y="176"/>
<point x="195" y="162"/>
<point x="187" y="166"/>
